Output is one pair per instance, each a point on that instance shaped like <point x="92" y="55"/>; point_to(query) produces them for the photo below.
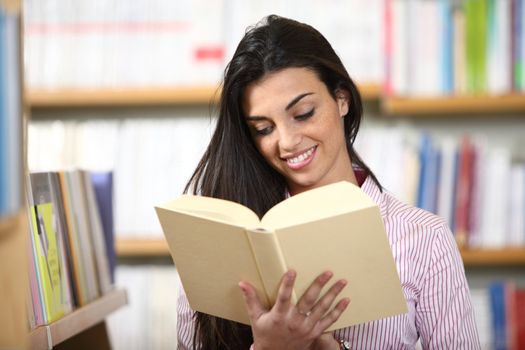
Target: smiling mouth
<point x="302" y="159"/>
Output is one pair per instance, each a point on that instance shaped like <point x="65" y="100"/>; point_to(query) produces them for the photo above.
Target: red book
<point x="519" y="317"/>
<point x="463" y="193"/>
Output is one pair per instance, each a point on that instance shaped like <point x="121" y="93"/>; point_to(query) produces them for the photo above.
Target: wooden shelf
<point x="9" y="222"/>
<point x="78" y="321"/>
<point x="141" y="247"/>
<point x="13" y="277"/>
<point x="494" y="257"/>
<point x="370" y="91"/>
<point x="471" y="105"/>
<point x="479" y="257"/>
<point x="120" y="97"/>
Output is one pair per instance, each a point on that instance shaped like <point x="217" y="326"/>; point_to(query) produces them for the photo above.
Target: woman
<point x="289" y="114"/>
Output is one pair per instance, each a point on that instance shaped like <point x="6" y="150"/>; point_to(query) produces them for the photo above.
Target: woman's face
<point x="298" y="128"/>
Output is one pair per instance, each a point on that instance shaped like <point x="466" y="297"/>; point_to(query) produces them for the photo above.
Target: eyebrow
<point x="296" y="99"/>
<point x="288" y="106"/>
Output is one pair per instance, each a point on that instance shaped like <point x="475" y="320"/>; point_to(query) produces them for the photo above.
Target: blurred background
<point x="129" y="88"/>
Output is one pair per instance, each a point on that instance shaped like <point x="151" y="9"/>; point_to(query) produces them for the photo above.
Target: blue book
<point x="3" y="121"/>
<point x="447" y="58"/>
<point x="497" y="305"/>
<point x="103" y="186"/>
<point x="428" y="180"/>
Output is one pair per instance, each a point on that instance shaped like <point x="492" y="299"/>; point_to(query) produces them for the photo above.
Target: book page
<point x="327" y="201"/>
<point x="354" y="246"/>
<point x="212" y="258"/>
<point x="214" y="209"/>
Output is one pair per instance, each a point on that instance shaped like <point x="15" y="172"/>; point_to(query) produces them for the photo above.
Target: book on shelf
<point x="11" y="150"/>
<point x="97" y="234"/>
<point x="507" y="302"/>
<point x="103" y="186"/>
<point x="49" y="248"/>
<point x="79" y="236"/>
<point x="69" y="265"/>
<point x="216" y="243"/>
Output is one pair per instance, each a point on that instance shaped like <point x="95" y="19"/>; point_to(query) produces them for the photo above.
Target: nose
<point x="289" y="138"/>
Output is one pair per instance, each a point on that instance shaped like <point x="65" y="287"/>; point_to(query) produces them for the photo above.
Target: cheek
<point x="264" y="145"/>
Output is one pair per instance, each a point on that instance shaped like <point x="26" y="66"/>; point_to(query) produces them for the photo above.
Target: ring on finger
<point x="305" y="314"/>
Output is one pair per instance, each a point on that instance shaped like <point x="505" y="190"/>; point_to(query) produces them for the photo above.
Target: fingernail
<point x="343" y="283"/>
<point x="242" y="288"/>
<point x="291" y="275"/>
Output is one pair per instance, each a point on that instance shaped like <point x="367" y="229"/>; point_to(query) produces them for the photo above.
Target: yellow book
<point x="50" y="274"/>
<point x="216" y="243"/>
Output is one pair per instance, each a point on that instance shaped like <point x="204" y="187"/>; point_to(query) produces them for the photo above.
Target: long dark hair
<point x="232" y="168"/>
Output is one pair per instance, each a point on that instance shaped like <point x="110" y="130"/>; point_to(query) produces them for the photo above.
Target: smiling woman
<point x="289" y="115"/>
<point x="298" y="127"/>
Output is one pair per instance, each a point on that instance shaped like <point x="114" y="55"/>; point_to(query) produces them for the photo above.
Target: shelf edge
<point x="79" y="320"/>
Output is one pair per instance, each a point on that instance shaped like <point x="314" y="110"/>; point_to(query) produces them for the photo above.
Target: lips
<point x="301" y="160"/>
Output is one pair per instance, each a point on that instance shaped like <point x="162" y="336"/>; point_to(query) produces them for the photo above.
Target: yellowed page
<point x="211" y="258"/>
<point x="214" y="209"/>
<point x="354" y="246"/>
<point x="320" y="203"/>
<point x="270" y="262"/>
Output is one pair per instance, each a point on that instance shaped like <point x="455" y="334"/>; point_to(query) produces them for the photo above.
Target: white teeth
<point x="301" y="157"/>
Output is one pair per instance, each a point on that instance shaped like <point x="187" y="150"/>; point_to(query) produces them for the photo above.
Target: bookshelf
<point x="84" y="328"/>
<point x="154" y="96"/>
<point x="13" y="274"/>
<point x="13" y="218"/>
<point x="143" y="248"/>
<point x="474" y="106"/>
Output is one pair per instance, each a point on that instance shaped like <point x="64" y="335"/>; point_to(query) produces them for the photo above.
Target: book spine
<point x="269" y="260"/>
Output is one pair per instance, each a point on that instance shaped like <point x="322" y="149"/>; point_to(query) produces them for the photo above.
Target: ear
<point x="343" y="101"/>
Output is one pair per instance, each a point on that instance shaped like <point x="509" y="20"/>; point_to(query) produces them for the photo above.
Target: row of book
<point x="474" y="185"/>
<point x="152" y="160"/>
<point x="455" y="47"/>
<point x="149" y="321"/>
<point x="11" y="150"/>
<point x="70" y="250"/>
<point x="500" y="315"/>
<point x="94" y="43"/>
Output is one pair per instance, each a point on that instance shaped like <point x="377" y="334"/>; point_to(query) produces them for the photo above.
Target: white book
<point x="483" y="314"/>
<point x="499" y="47"/>
<point x="399" y="59"/>
<point x="517" y="206"/>
<point x="425" y="48"/>
<point x="126" y="178"/>
<point x="96" y="231"/>
<point x="81" y="223"/>
<point x="495" y="210"/>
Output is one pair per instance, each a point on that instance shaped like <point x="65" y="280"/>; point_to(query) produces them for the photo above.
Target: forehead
<point x="277" y="89"/>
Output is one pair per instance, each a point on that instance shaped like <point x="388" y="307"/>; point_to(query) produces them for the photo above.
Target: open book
<point x="216" y="243"/>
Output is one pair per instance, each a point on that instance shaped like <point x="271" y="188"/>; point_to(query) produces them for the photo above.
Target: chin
<point x="305" y="183"/>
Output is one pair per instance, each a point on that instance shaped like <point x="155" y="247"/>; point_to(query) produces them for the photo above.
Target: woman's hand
<point x="288" y="326"/>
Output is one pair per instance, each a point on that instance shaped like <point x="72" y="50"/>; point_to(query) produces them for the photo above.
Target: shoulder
<point x="402" y="219"/>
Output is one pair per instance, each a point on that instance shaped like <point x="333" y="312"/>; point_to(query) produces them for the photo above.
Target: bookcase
<point x="449" y="108"/>
<point x="85" y="327"/>
<point x="13" y="225"/>
<point x="493" y="114"/>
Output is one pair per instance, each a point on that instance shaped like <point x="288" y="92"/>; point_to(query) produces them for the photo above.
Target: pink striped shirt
<point x="433" y="280"/>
